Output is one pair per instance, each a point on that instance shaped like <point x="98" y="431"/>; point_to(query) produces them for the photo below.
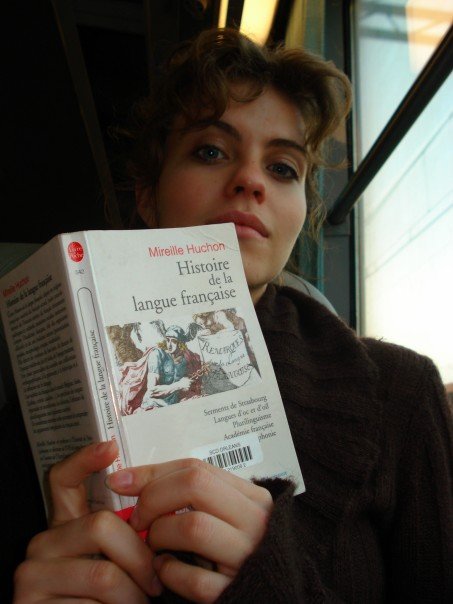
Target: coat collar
<point x="328" y="384"/>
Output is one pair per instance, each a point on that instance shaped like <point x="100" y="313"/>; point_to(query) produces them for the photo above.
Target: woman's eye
<point x="284" y="171"/>
<point x="209" y="153"/>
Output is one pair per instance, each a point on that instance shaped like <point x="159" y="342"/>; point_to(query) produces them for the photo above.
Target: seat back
<point x="297" y="282"/>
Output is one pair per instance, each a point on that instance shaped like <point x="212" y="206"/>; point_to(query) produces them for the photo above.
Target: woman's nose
<point x="247" y="181"/>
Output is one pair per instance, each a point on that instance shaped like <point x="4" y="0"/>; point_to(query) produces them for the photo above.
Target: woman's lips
<point x="248" y="226"/>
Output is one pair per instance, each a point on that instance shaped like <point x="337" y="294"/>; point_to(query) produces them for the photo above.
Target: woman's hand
<point x="228" y="519"/>
<point x="93" y="556"/>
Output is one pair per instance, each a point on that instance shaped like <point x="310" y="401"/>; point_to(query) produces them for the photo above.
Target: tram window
<point x="406" y="213"/>
<point x="392" y="42"/>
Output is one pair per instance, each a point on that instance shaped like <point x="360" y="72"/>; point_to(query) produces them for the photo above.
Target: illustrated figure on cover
<point x="158" y="368"/>
<point x="167" y="373"/>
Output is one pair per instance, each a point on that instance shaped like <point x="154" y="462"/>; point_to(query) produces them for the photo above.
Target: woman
<point x="235" y="136"/>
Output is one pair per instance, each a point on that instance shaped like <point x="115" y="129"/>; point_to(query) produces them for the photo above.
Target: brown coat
<point x="373" y="435"/>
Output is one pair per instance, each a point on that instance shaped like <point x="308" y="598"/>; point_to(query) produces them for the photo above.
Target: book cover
<point x="150" y="338"/>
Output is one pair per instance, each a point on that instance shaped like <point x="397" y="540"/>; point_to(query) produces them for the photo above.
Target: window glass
<point x="393" y="41"/>
<point x="406" y="213"/>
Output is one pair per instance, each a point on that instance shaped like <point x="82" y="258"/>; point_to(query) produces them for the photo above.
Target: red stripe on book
<point x="125" y="514"/>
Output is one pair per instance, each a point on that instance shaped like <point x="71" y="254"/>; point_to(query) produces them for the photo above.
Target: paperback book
<point x="149" y="338"/>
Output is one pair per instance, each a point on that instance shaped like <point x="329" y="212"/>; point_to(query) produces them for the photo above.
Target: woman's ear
<point x="146" y="205"/>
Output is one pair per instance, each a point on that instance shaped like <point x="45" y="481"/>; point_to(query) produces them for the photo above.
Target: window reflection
<point x="393" y="41"/>
<point x="406" y="215"/>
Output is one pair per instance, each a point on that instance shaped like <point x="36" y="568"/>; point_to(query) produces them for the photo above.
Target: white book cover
<point x="148" y="337"/>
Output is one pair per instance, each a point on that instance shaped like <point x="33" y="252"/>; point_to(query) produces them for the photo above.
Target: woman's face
<point x="247" y="168"/>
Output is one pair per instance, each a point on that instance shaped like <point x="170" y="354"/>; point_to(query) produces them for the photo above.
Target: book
<point x="150" y="338"/>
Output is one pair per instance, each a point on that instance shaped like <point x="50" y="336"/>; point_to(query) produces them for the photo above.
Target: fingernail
<point x="102" y="448"/>
<point x="119" y="480"/>
<point x="153" y="586"/>
<point x="156" y="587"/>
<point x="134" y="520"/>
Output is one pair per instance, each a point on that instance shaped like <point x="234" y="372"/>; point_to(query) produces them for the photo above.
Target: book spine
<point x="98" y="366"/>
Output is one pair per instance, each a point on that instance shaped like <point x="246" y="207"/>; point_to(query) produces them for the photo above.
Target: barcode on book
<point x="231" y="455"/>
<point x="230" y="458"/>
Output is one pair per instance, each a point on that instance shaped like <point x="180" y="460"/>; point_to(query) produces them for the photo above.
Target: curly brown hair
<point x="200" y="76"/>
